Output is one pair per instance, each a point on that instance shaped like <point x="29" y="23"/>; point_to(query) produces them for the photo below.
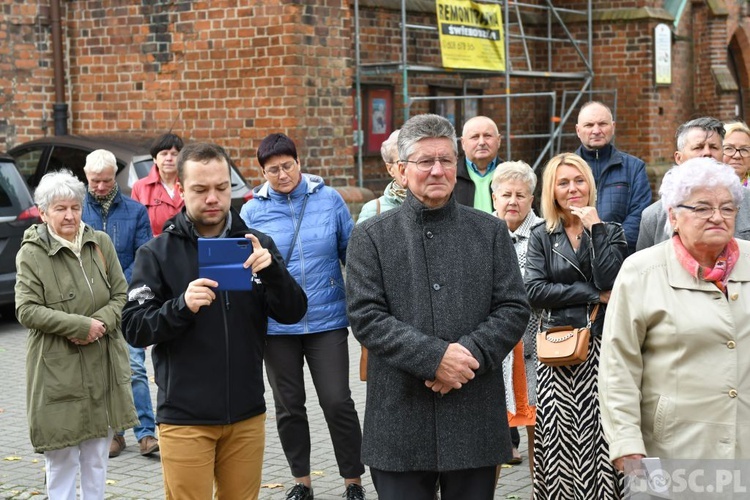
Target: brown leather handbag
<point x="565" y="345"/>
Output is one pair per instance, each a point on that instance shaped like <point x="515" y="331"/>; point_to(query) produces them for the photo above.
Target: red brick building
<point x="232" y="72"/>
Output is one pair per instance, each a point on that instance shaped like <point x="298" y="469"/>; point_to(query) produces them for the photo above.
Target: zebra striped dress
<point x="571" y="459"/>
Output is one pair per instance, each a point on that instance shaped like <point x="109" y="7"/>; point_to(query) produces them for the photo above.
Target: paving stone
<point x="134" y="477"/>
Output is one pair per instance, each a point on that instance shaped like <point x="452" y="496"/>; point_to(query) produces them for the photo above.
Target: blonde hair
<point x="736" y="127"/>
<point x="552" y="212"/>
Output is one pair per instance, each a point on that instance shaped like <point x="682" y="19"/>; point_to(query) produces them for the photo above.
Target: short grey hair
<point x="705" y="123"/>
<point x="59" y="185"/>
<point x="389" y="148"/>
<point x="98" y="160"/>
<point x="514" y="171"/>
<point x="424" y="126"/>
<point x="681" y="180"/>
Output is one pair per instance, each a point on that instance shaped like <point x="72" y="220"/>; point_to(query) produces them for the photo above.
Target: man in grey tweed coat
<point x="434" y="292"/>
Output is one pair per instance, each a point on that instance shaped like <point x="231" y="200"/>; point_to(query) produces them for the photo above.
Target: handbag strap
<point x="296" y="230"/>
<point x="101" y="256"/>
<point x="592" y="317"/>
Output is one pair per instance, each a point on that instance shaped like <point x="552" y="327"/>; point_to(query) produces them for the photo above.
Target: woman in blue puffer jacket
<point x="310" y="224"/>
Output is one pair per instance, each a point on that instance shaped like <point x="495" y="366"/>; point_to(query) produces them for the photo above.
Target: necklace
<point x="579" y="235"/>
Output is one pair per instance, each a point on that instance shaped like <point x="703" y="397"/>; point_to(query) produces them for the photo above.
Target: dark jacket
<point x="418" y="280"/>
<point x="126" y="223"/>
<point x="465" y="188"/>
<point x="622" y="188"/>
<point x="208" y="365"/>
<point x="566" y="284"/>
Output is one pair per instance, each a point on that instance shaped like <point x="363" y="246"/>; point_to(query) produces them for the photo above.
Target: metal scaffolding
<point x="518" y="19"/>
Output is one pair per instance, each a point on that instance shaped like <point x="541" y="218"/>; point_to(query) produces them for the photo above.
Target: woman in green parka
<point x="70" y="291"/>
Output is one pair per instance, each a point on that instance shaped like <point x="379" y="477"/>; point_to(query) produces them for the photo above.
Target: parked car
<point x="17" y="213"/>
<point x="36" y="158"/>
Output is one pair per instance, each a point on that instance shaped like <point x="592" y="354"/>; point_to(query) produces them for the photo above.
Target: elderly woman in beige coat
<point x="674" y="377"/>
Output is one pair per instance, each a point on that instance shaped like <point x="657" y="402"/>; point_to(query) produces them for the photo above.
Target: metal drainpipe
<point x="60" y="107"/>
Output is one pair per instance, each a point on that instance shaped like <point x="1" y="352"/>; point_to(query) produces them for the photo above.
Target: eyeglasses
<point x="276" y="169"/>
<point x="731" y="151"/>
<point x="426" y="164"/>
<point x="706" y="212"/>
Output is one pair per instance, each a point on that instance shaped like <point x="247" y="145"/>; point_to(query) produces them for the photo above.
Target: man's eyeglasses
<point x="426" y="164"/>
<point x="706" y="212"/>
<point x="731" y="151"/>
<point x="276" y="169"/>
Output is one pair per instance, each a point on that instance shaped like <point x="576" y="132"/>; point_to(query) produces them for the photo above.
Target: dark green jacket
<point x="73" y="393"/>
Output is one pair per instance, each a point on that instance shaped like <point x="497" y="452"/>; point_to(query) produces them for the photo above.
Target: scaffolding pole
<point x="554" y="19"/>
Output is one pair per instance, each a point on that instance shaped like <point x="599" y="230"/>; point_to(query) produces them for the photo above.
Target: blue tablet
<point x="221" y="259"/>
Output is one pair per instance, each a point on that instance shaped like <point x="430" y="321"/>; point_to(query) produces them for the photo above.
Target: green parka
<point x="73" y="393"/>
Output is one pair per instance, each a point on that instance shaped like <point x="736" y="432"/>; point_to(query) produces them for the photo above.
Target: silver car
<point x="17" y="213"/>
<point x="36" y="158"/>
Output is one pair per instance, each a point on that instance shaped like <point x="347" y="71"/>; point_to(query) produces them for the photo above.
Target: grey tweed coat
<point x="417" y="280"/>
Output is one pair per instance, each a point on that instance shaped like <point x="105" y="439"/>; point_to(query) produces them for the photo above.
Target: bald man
<point x="622" y="187"/>
<point x="480" y="142"/>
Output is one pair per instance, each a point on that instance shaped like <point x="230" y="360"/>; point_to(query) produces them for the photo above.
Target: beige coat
<point x="674" y="375"/>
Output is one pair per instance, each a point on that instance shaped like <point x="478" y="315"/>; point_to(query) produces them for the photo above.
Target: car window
<point x="11" y="191"/>
<point x="143" y="167"/>
<point x="237" y="179"/>
<point x="27" y="163"/>
<point x="70" y="158"/>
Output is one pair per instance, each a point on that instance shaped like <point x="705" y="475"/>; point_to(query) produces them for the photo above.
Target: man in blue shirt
<point x="127" y="224"/>
<point x="480" y="142"/>
<point x="622" y="187"/>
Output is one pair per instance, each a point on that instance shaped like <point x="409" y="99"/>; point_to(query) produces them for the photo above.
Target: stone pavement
<point x="131" y="476"/>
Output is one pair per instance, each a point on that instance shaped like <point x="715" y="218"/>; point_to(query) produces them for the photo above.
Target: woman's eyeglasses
<point x="731" y="151"/>
<point x="276" y="169"/>
<point x="706" y="212"/>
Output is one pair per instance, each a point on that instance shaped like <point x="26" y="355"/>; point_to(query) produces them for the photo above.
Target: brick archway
<point x="739" y="58"/>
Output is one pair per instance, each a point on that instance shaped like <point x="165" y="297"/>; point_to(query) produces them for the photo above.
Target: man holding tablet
<point x="208" y="340"/>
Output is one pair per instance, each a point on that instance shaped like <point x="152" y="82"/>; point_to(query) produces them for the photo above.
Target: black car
<point x="36" y="158"/>
<point x="17" y="213"/>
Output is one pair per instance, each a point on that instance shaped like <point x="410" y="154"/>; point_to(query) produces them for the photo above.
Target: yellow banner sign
<point x="471" y="35"/>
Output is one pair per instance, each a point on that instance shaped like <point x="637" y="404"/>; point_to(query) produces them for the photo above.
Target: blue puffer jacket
<point x="622" y="188"/>
<point x="318" y="253"/>
<point x="127" y="225"/>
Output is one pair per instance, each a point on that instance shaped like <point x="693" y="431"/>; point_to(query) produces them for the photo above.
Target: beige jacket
<point x="674" y="374"/>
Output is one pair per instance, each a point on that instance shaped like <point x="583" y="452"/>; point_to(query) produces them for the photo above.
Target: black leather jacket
<point x="566" y="284"/>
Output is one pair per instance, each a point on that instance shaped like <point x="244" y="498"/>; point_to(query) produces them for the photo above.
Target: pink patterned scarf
<point x="719" y="274"/>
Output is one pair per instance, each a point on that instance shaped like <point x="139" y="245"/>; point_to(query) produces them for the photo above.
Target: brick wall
<point x="232" y="72"/>
<point x="26" y="75"/>
<point x="229" y="72"/>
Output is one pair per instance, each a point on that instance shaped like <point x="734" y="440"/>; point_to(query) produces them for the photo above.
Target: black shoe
<point x="299" y="492"/>
<point x="354" y="492"/>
